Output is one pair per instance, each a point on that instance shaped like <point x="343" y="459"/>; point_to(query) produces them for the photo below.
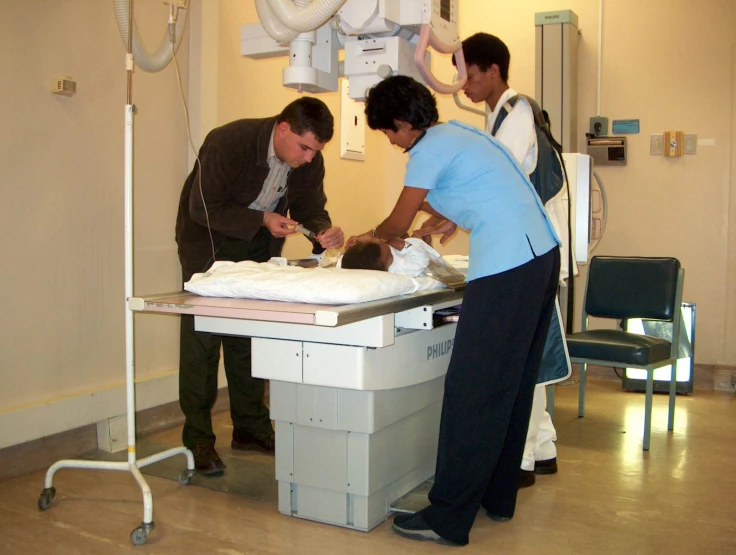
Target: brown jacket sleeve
<point x="228" y="184"/>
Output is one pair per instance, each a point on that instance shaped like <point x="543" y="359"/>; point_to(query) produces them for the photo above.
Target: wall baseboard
<point x="724" y="377"/>
<point x="38" y="454"/>
<point x="52" y="416"/>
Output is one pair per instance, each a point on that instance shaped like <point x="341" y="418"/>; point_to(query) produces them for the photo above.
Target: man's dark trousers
<point x="199" y="357"/>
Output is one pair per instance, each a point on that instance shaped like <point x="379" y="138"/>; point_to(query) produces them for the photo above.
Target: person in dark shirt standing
<point x="234" y="207"/>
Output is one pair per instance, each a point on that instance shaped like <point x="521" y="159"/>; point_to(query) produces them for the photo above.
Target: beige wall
<point x="61" y="229"/>
<point x="666" y="63"/>
<point x="664" y="206"/>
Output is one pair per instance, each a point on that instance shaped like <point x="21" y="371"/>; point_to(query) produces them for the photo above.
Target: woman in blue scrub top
<point x="465" y="178"/>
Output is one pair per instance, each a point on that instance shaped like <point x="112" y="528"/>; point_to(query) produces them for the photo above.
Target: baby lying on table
<point x="410" y="257"/>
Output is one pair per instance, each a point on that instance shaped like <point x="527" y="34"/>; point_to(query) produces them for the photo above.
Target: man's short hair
<point x="309" y="114"/>
<point x="484" y="50"/>
<point x="400" y="98"/>
<point x="363" y="256"/>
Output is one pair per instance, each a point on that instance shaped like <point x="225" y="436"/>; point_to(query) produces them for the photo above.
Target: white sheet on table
<point x="267" y="281"/>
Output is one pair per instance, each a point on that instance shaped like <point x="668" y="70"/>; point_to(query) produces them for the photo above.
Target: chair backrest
<point x="633" y="287"/>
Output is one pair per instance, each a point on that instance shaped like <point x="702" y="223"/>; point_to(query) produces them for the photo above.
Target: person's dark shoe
<point x="499" y="518"/>
<point x="526" y="478"/>
<point x="252" y="441"/>
<point x="414" y="527"/>
<point x="546" y="467"/>
<point x="206" y="460"/>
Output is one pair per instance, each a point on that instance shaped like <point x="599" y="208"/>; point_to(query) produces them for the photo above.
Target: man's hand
<point x="331" y="238"/>
<point x="436" y="226"/>
<point x="278" y="225"/>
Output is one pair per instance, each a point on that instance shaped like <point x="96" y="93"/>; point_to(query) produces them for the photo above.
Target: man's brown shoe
<point x="253" y="441"/>
<point x="206" y="460"/>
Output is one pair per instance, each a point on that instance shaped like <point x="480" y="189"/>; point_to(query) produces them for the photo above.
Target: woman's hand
<point x="359" y="238"/>
<point x="331" y="238"/>
<point x="436" y="226"/>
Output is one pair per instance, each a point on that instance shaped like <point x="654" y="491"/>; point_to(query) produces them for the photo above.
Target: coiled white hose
<point x="284" y="20"/>
<point x="161" y="58"/>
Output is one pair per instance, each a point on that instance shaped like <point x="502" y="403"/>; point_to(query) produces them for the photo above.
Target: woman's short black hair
<point x="400" y="98"/>
<point x="309" y="114"/>
<point x="363" y="256"/>
<point x="484" y="50"/>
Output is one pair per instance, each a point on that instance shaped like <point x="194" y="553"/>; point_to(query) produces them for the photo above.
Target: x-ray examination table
<point x="356" y="394"/>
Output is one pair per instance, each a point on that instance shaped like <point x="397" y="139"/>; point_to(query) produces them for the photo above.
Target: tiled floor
<point x="609" y="496"/>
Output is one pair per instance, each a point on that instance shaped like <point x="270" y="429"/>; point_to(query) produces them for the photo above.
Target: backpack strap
<point x="541" y="123"/>
<point x="503" y="112"/>
<point x="536" y="112"/>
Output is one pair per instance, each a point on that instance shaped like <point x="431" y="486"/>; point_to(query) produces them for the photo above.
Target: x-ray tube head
<point x="313" y="61"/>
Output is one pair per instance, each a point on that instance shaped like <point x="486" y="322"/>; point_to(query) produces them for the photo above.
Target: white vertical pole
<point x="139" y="534"/>
<point x="129" y="317"/>
<point x="129" y="331"/>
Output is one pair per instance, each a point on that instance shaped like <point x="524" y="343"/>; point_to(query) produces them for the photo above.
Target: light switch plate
<point x="656" y="145"/>
<point x="691" y="143"/>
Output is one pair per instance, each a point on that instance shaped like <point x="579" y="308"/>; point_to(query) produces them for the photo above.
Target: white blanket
<point x="268" y="281"/>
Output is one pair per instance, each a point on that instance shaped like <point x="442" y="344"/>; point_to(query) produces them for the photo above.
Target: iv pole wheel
<point x="44" y="501"/>
<point x="139" y="536"/>
<point x="185" y="477"/>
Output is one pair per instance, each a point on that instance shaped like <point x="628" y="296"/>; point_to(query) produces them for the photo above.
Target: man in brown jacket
<point x="233" y="207"/>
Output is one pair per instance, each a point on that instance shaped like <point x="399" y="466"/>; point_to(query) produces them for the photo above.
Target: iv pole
<point x="140" y="534"/>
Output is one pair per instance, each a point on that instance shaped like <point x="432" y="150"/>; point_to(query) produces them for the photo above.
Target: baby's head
<point x="371" y="254"/>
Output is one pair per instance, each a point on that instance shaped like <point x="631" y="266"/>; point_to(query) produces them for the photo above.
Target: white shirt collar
<point x="271" y="150"/>
<point x="273" y="160"/>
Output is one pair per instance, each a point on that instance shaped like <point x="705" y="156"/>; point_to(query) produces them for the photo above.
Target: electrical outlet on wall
<point x="656" y="145"/>
<point x="691" y="143"/>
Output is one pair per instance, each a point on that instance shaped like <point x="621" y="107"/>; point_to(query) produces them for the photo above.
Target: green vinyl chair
<point x="630" y="287"/>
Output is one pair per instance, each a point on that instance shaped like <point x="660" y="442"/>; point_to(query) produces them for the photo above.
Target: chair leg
<point x="581" y="390"/>
<point x="673" y="395"/>
<point x="648" y="408"/>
